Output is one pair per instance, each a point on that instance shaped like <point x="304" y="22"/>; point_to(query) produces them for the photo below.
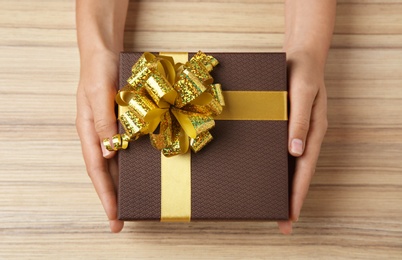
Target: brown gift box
<point x="241" y="175"/>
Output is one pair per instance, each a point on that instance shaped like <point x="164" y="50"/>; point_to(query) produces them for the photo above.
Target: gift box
<point x="241" y="175"/>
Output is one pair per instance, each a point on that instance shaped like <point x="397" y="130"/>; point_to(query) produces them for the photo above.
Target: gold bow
<point x="179" y="98"/>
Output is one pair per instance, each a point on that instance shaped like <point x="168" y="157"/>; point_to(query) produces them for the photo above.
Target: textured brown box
<point x="241" y="175"/>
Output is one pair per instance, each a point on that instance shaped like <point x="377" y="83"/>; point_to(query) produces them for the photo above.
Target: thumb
<point x="299" y="121"/>
<point x="103" y="108"/>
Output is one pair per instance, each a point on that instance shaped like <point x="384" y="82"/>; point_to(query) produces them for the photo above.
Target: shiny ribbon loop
<point x="179" y="98"/>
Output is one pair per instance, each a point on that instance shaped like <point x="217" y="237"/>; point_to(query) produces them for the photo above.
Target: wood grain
<point x="49" y="210"/>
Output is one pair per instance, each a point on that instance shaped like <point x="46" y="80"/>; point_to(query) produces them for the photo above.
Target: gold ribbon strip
<point x="254" y="105"/>
<point x="176" y="188"/>
<point x="176" y="177"/>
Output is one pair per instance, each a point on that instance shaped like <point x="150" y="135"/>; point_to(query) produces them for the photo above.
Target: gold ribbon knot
<point x="179" y="98"/>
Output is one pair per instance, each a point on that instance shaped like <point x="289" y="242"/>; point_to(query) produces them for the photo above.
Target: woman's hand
<point x="95" y="121"/>
<point x="100" y="30"/>
<point x="307" y="125"/>
<point x="308" y="32"/>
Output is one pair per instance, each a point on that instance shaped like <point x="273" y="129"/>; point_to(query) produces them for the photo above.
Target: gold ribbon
<point x="178" y="97"/>
<point x="176" y="188"/>
<point x="254" y="105"/>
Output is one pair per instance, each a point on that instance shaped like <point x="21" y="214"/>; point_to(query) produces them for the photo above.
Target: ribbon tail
<point x="164" y="138"/>
<point x="120" y="141"/>
<point x="179" y="142"/>
<point x="171" y="140"/>
<point x="217" y="93"/>
<point x="132" y="124"/>
<point x="200" y="141"/>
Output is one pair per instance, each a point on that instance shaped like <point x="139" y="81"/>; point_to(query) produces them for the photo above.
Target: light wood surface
<point x="48" y="207"/>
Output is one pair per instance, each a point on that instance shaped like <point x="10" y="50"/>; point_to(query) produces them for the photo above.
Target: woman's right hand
<point x="100" y="31"/>
<point x="95" y="121"/>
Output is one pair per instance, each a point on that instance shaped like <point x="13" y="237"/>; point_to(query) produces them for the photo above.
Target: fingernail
<point x="116" y="226"/>
<point x="297" y="146"/>
<point x="105" y="152"/>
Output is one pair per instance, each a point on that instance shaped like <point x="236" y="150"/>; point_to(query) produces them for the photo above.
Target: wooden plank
<point x="364" y="64"/>
<point x="228" y="41"/>
<point x="367" y="41"/>
<point x="207" y="42"/>
<point x="369" y="19"/>
<point x="352" y="18"/>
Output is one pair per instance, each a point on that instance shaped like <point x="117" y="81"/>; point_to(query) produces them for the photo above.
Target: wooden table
<point x="48" y="207"/>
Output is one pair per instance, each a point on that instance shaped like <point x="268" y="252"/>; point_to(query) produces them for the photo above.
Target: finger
<point x="285" y="227"/>
<point x="305" y="165"/>
<point x="301" y="100"/>
<point x="102" y="104"/>
<point x="97" y="166"/>
<point x="115" y="224"/>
